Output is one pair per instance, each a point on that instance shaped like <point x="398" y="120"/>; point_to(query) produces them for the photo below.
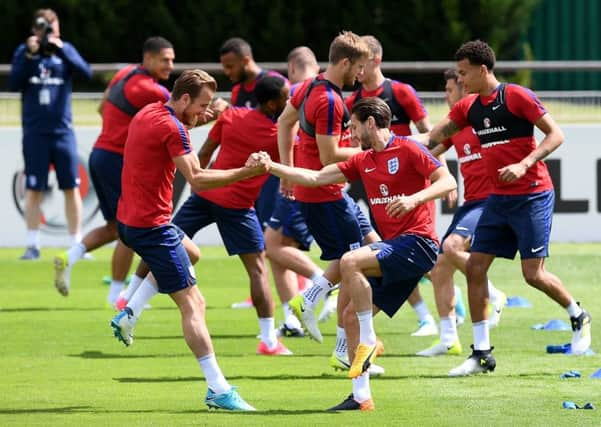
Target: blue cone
<point x="519" y="302"/>
<point x="557" y="325"/>
<point x="596" y="374"/>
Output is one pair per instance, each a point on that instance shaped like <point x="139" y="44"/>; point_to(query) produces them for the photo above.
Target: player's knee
<point x="348" y="263"/>
<point x="534" y="277"/>
<point x="475" y="270"/>
<point x="193" y="253"/>
<point x="453" y="243"/>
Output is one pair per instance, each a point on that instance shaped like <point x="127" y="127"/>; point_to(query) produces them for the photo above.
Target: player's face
<point x="368" y="72"/>
<point x="453" y="92"/>
<point x="359" y="134"/>
<point x="281" y="102"/>
<point x="472" y="77"/>
<point x="233" y="67"/>
<point x="197" y="107"/>
<point x="353" y="69"/>
<point x="160" y="65"/>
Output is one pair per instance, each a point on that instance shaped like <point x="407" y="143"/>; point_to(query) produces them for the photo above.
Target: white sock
<point x="286" y="309"/>
<point x="134" y="284"/>
<point x="574" y="309"/>
<point x="315" y="293"/>
<point x="481" y="335"/>
<point x="367" y="335"/>
<point x="421" y="309"/>
<point x="316" y="275"/>
<point x="148" y="288"/>
<point x="492" y="292"/>
<point x="361" y="390"/>
<point x="448" y="330"/>
<point x="75" y="238"/>
<point x="267" y="325"/>
<point x="75" y="253"/>
<point x="33" y="238"/>
<point x="341" y="348"/>
<point x="215" y="379"/>
<point x="289" y="318"/>
<point x="114" y="290"/>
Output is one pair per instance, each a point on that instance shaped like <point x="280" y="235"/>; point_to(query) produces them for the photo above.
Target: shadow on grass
<point x="102" y="355"/>
<point x="45" y="309"/>
<point x="261" y="413"/>
<point x="280" y="377"/>
<point x="64" y="410"/>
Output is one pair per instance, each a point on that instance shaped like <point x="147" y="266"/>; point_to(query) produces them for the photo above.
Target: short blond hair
<point x="192" y="82"/>
<point x="374" y="45"/>
<point x="348" y="45"/>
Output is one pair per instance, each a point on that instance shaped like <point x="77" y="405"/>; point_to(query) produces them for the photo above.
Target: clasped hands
<point x="259" y="161"/>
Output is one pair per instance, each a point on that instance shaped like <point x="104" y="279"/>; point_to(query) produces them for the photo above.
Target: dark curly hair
<point x="476" y="52"/>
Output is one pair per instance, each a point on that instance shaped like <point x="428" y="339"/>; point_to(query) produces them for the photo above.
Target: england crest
<point x="393" y="165"/>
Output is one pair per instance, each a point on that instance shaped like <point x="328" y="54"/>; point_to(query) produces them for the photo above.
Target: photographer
<point x="42" y="70"/>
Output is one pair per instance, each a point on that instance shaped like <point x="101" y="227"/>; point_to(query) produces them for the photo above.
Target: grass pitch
<point x="61" y="365"/>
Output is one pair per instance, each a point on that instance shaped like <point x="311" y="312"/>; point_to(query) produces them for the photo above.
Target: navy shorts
<point x="336" y="226"/>
<point x="162" y="249"/>
<point x="40" y="151"/>
<point x="265" y="204"/>
<point x="465" y="220"/>
<point x="105" y="171"/>
<point x="288" y="218"/>
<point x="512" y="223"/>
<point x="403" y="262"/>
<point x="239" y="228"/>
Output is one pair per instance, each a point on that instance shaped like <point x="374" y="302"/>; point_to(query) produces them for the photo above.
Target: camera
<point x="45" y="28"/>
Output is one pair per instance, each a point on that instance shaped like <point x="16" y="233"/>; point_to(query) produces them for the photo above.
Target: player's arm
<point x="206" y="152"/>
<point x="330" y="152"/>
<point x="105" y="96"/>
<point x="423" y="125"/>
<point x="203" y="179"/>
<point x="287" y="129"/>
<point x="330" y="174"/>
<point x="553" y="138"/>
<point x="443" y="130"/>
<point x="439" y="152"/>
<point x="442" y="184"/>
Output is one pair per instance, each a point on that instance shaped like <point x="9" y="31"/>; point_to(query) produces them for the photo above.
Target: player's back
<point x="155" y="136"/>
<point x="129" y="90"/>
<point x="240" y="132"/>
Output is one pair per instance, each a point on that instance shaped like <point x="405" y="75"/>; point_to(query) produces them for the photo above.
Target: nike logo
<point x="461" y="228"/>
<point x="368" y="170"/>
<point x="494" y="107"/>
<point x="535" y="250"/>
<point x="272" y="219"/>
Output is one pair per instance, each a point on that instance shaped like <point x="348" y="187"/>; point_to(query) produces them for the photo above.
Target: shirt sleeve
<point x="421" y="159"/>
<point x="408" y="99"/>
<point x="458" y="113"/>
<point x="21" y="69"/>
<point x="350" y="169"/>
<point x="145" y="91"/>
<point x="300" y="89"/>
<point x="74" y="59"/>
<point x="215" y="132"/>
<point x="524" y="103"/>
<point x="329" y="109"/>
<point x="178" y="140"/>
<point x="235" y="91"/>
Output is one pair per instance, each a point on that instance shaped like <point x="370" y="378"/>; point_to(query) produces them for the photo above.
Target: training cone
<point x="596" y="374"/>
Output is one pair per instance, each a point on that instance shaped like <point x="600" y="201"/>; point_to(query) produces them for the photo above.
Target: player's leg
<point x="104" y="170"/>
<point x="120" y="264"/>
<point x="444" y="295"/>
<point x="426" y="322"/>
<point x="481" y="359"/>
<point x="532" y="225"/>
